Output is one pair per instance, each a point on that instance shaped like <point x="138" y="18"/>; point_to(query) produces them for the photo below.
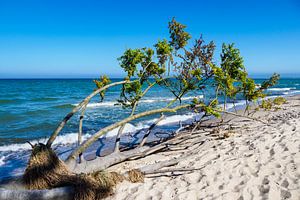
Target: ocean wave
<point x="231" y="105"/>
<point x="101" y="104"/>
<point x="2" y="160"/>
<point x="173" y="120"/>
<point x="66" y="139"/>
<point x="176" y="119"/>
<point x="149" y="100"/>
<point x="257" y="86"/>
<point x="281" y="89"/>
<point x="291" y="92"/>
<point x="70" y="138"/>
<point x="129" y="128"/>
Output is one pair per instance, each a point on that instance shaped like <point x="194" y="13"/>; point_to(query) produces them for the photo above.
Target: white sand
<point x="256" y="162"/>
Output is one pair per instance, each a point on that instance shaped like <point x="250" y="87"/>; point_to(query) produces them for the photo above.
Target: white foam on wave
<point x="257" y="86"/>
<point x="150" y="100"/>
<point x="69" y="138"/>
<point x="291" y="92"/>
<point x="232" y="105"/>
<point x="101" y="104"/>
<point x="185" y="118"/>
<point x="281" y="89"/>
<point x="173" y="120"/>
<point x="72" y="138"/>
<point x="66" y="139"/>
<point x="2" y="160"/>
<point x="127" y="129"/>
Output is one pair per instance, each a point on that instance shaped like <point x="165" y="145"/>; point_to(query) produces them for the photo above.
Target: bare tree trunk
<point x="80" y="130"/>
<point x="118" y="137"/>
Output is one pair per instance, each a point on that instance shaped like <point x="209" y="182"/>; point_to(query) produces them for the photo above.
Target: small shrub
<point x="266" y="104"/>
<point x="279" y="101"/>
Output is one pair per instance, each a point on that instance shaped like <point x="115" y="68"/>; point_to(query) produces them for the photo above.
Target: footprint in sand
<point x="285" y="183"/>
<point x="265" y="187"/>
<point x="284" y="194"/>
<point x="272" y="152"/>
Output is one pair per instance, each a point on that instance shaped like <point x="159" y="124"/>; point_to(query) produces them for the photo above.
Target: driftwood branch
<point x="101" y="132"/>
<point x="101" y="163"/>
<point x="172" y="170"/>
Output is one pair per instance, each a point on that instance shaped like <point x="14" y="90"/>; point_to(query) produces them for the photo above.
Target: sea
<point x="31" y="109"/>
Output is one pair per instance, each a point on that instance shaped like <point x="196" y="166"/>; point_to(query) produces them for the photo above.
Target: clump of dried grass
<point x="45" y="170"/>
<point x="116" y="178"/>
<point x="85" y="187"/>
<point x="135" y="176"/>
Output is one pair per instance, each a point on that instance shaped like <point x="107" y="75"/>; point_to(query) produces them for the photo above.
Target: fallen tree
<point x="171" y="65"/>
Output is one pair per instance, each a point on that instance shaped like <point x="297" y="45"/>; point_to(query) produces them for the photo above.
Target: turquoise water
<point x="31" y="109"/>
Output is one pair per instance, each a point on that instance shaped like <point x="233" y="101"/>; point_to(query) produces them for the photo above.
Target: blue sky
<point x="69" y="39"/>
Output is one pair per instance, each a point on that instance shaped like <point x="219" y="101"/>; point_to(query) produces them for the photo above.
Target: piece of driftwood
<point x="101" y="163"/>
<point x="101" y="132"/>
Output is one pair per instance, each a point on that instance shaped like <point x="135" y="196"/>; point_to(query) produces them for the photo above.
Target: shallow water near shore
<point x="31" y="109"/>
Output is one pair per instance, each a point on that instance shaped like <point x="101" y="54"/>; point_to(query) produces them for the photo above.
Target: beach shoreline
<point x="241" y="159"/>
<point x="33" y="116"/>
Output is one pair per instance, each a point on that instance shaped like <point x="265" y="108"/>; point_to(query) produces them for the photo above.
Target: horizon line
<point x="257" y="76"/>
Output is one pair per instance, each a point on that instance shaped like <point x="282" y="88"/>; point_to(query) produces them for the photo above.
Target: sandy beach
<point x="243" y="159"/>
